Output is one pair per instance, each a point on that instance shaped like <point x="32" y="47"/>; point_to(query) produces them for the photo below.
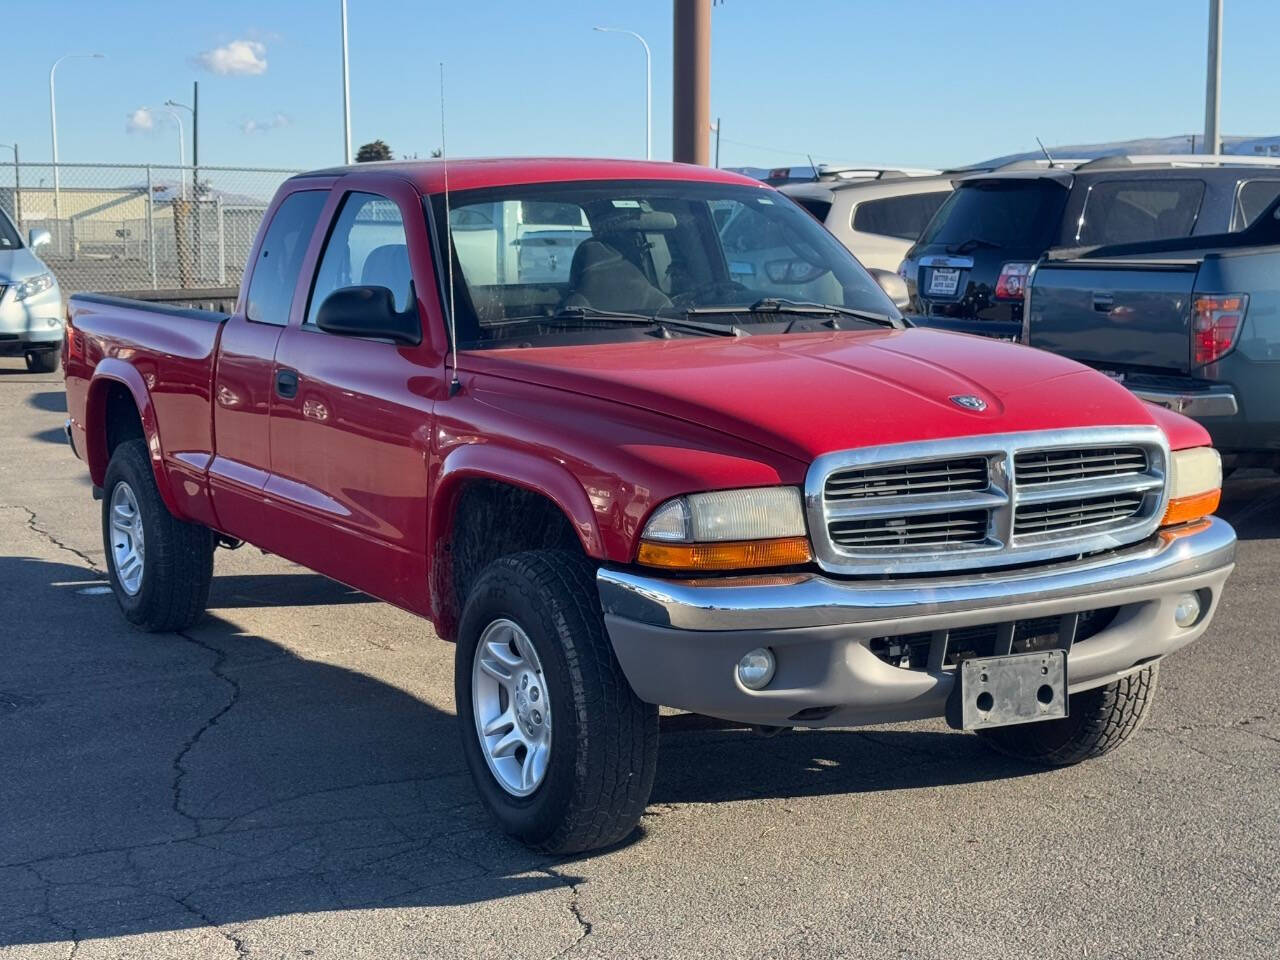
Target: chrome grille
<point x="924" y="530"/>
<point x="1057" y="466"/>
<point x="944" y="476"/>
<point x="981" y="501"/>
<point x="1073" y="514"/>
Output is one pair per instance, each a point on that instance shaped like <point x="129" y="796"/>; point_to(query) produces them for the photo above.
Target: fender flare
<point x="504" y="465"/>
<point x="111" y="370"/>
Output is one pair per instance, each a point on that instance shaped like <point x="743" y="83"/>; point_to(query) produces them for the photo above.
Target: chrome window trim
<point x="1002" y="496"/>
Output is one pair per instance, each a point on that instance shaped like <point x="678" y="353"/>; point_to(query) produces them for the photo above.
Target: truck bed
<point x="163" y="353"/>
<point x="1127" y="307"/>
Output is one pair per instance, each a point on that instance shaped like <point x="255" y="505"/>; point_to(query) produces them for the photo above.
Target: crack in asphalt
<point x="575" y="908"/>
<point x="179" y="770"/>
<point x="33" y="524"/>
<point x="208" y="921"/>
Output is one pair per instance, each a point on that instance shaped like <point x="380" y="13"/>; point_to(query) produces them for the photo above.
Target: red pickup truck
<point x="633" y="434"/>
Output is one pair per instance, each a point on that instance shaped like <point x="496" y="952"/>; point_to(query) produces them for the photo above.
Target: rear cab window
<point x="275" y="272"/>
<point x="1012" y="214"/>
<point x="1134" y="211"/>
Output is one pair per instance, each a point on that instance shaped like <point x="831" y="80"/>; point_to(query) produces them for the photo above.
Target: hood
<point x="19" y="264"/>
<point x="804" y="395"/>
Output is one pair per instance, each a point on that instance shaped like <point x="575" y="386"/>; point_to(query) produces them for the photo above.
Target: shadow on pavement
<point x="52" y="435"/>
<point x="1251" y="504"/>
<point x="161" y="781"/>
<point x="50" y="401"/>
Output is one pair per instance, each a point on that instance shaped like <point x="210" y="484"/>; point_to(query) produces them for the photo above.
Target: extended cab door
<point x="351" y="416"/>
<point x="242" y="384"/>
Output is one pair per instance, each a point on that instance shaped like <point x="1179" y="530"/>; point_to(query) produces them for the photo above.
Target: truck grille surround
<point x="977" y="502"/>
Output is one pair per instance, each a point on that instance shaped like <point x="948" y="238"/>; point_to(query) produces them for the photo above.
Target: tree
<point x="437" y="153"/>
<point x="377" y="150"/>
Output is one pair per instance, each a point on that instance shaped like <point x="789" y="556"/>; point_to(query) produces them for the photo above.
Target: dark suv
<point x="969" y="268"/>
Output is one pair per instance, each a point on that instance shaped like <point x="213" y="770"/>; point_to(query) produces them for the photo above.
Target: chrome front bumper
<point x="678" y="641"/>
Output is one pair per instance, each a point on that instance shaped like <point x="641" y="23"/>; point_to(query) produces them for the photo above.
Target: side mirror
<point x="368" y="312"/>
<point x="39" y="237"/>
<point x="893" y="286"/>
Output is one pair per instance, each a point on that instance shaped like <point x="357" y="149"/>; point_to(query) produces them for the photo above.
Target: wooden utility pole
<point x="691" y="81"/>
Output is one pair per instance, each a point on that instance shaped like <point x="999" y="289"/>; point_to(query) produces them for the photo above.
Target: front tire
<point x="159" y="566"/>
<point x="42" y="361"/>
<point x="1097" y="722"/>
<point x="562" y="751"/>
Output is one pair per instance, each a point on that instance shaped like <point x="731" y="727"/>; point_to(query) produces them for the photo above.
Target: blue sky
<point x="871" y="81"/>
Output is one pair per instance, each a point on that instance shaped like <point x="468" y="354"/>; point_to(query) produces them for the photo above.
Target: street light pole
<point x="195" y="142"/>
<point x="1213" y="81"/>
<point x="648" y="87"/>
<point x="346" y="92"/>
<point x="182" y="149"/>
<point x="53" y="127"/>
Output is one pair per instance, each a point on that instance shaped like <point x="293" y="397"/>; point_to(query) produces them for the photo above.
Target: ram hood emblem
<point x="969" y="402"/>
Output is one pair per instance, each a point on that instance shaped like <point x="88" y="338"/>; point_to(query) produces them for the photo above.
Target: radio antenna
<point x="454" y="384"/>
<point x="1045" y="151"/>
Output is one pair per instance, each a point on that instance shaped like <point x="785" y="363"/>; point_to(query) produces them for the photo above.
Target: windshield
<point x="1004" y="214"/>
<point x="9" y="239"/>
<point x="544" y="264"/>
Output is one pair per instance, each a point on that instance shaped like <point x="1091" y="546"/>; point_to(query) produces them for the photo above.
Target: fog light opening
<point x="755" y="669"/>
<point x="1186" y="612"/>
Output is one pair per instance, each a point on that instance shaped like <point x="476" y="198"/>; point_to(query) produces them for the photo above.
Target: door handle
<point x="286" y="384"/>
<point x="1103" y="302"/>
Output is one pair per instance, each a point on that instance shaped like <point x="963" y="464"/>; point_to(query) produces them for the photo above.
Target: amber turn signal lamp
<point x="730" y="555"/>
<point x="1184" y="509"/>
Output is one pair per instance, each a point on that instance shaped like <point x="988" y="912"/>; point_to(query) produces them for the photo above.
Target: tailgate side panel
<point x="1117" y="315"/>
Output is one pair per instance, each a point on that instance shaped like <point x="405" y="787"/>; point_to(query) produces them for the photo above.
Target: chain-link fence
<point x="137" y="227"/>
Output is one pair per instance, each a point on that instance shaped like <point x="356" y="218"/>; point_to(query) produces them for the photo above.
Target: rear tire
<point x="591" y="788"/>
<point x="1097" y="722"/>
<point x="160" y="567"/>
<point x="42" y="361"/>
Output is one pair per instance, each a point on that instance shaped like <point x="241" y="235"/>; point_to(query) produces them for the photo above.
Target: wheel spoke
<point x="502" y="721"/>
<point x="507" y="745"/>
<point x="535" y="765"/>
<point x="496" y="670"/>
<point x="500" y="650"/>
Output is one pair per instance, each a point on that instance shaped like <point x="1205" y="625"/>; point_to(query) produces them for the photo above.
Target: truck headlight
<point x="1195" y="485"/>
<point x="727" y="530"/>
<point x="33" y="285"/>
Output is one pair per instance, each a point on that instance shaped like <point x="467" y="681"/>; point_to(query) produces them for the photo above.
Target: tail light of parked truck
<point x="1215" y="324"/>
<point x="1195" y="485"/>
<point x="1012" y="282"/>
<point x="727" y="530"/>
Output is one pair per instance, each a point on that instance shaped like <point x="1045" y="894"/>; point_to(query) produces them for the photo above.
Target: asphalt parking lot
<point x="284" y="780"/>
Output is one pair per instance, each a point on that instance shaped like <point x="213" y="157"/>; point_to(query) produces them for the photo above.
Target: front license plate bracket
<point x="1000" y="691"/>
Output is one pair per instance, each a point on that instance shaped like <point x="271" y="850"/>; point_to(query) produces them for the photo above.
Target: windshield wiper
<point x="570" y="316"/>
<point x="803" y="307"/>
<point x="968" y="246"/>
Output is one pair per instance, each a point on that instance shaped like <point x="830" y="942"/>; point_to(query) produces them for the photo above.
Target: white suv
<point x="877" y="219"/>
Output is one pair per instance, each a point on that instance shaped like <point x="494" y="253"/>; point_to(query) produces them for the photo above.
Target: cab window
<point x="366" y="248"/>
<point x="275" y="272"/>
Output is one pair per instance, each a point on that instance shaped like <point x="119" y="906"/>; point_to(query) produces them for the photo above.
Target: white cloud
<point x="277" y="121"/>
<point x="245" y="58"/>
<point x="141" y="120"/>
